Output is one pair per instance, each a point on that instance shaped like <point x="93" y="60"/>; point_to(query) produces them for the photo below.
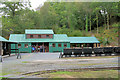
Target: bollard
<point x="18" y="55"/>
<point x="1" y="59"/>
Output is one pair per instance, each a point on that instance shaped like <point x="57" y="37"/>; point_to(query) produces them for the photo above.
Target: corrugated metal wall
<point x="51" y="48"/>
<point x="23" y="49"/>
<point x="56" y="48"/>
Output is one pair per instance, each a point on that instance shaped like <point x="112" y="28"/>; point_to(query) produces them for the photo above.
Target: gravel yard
<point x="33" y="62"/>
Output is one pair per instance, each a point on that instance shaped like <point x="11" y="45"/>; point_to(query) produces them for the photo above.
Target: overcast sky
<point x="36" y="3"/>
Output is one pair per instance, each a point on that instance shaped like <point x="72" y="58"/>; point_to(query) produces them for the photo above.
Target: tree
<point x="12" y="8"/>
<point x="11" y="17"/>
<point x="97" y="12"/>
<point x="67" y="18"/>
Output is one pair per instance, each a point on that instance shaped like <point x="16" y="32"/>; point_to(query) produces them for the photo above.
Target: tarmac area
<point x="12" y="67"/>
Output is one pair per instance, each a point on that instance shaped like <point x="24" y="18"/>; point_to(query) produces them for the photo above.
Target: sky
<point x="36" y="3"/>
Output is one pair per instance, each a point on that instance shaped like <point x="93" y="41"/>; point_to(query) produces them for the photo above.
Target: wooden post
<point x="9" y="48"/>
<point x="75" y="44"/>
<point x="87" y="44"/>
<point x="95" y="45"/>
<point x="15" y="49"/>
<point x="43" y="46"/>
<point x="37" y="47"/>
<point x="99" y="44"/>
<point x="1" y="52"/>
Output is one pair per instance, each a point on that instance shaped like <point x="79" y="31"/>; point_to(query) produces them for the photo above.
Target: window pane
<point x="65" y="45"/>
<point x="47" y="36"/>
<point x="26" y="45"/>
<point x="19" y="45"/>
<point x="53" y="45"/>
<point x="31" y="36"/>
<point x="59" y="45"/>
<point x="39" y="36"/>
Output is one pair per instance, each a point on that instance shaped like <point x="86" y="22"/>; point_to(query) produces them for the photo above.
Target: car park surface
<point x="33" y="62"/>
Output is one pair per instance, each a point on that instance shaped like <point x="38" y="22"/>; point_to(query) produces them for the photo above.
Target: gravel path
<point x="32" y="62"/>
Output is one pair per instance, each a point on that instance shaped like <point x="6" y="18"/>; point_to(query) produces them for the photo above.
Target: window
<point x="59" y="45"/>
<point x="65" y="45"/>
<point x="31" y="36"/>
<point x="19" y="45"/>
<point x="53" y="45"/>
<point x="26" y="45"/>
<point x="39" y="36"/>
<point x="47" y="36"/>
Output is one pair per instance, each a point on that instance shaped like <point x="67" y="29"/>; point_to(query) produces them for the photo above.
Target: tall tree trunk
<point x="97" y="22"/>
<point x="90" y="22"/>
<point x="86" y="23"/>
<point x="104" y="20"/>
<point x="108" y="21"/>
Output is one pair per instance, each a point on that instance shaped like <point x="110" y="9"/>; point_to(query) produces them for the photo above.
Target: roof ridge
<point x="77" y="37"/>
<point x="60" y="34"/>
<point x="3" y="39"/>
<point x="17" y="34"/>
<point x="38" y="29"/>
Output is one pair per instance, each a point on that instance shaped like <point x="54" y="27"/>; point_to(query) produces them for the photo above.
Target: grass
<point x="1" y="78"/>
<point x="25" y="62"/>
<point x="14" y="71"/>
<point x="1" y="74"/>
<point x="4" y="73"/>
<point x="94" y="57"/>
<point x="87" y="64"/>
<point x="83" y="74"/>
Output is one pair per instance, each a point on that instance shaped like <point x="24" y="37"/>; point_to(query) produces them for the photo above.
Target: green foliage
<point x="101" y="74"/>
<point x="115" y="25"/>
<point x="72" y="18"/>
<point x="106" y="42"/>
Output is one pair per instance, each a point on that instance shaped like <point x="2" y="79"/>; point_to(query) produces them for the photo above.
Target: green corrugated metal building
<point x="3" y="39"/>
<point x="54" y="42"/>
<point x="5" y="45"/>
<point x="83" y="40"/>
<point x="50" y="41"/>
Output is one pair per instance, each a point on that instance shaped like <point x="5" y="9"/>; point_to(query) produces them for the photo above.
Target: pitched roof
<point x="3" y="39"/>
<point x="22" y="38"/>
<point x="83" y="40"/>
<point x="39" y="31"/>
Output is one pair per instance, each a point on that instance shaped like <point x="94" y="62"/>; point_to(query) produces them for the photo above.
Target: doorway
<point x="40" y="47"/>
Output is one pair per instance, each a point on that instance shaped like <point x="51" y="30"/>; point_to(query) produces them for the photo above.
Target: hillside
<point x="71" y="18"/>
<point x="107" y="37"/>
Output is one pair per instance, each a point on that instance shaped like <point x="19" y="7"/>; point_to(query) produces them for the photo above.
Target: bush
<point x="115" y="25"/>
